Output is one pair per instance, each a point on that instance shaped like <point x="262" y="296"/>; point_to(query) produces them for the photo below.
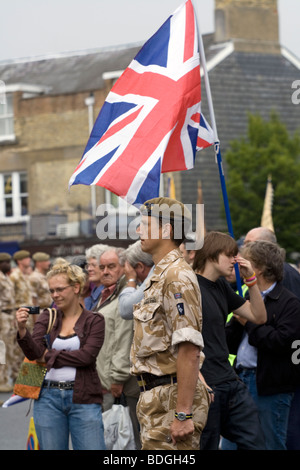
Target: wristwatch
<point x="181" y="416"/>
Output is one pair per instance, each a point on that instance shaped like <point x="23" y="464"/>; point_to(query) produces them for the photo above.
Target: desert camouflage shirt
<point x="170" y="313"/>
<point x="40" y="289"/>
<point x="7" y="294"/>
<point x="22" y="287"/>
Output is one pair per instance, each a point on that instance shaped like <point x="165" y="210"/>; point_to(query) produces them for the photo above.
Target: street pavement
<point x="14" y="424"/>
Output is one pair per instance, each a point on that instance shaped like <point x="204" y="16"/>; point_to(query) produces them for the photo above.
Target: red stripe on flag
<point x="196" y="117"/>
<point x="202" y="144"/>
<point x="190" y="29"/>
<point x="120" y="125"/>
<point x="155" y="126"/>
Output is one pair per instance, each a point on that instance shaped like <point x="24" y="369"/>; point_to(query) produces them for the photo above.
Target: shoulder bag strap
<point x="52" y="318"/>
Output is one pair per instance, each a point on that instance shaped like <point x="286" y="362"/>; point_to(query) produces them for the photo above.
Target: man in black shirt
<point x="233" y="413"/>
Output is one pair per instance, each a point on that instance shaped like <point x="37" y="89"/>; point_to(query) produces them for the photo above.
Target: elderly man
<point x="113" y="362"/>
<point x="138" y="267"/>
<point x="165" y="354"/>
<point x="93" y="258"/>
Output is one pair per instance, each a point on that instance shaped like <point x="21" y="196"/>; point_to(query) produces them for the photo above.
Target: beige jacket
<point x="113" y="361"/>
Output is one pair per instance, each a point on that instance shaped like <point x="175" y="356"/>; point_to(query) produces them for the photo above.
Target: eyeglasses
<point x="58" y="289"/>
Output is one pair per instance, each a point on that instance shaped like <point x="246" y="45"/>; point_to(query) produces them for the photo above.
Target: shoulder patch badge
<point x="178" y="295"/>
<point x="180" y="308"/>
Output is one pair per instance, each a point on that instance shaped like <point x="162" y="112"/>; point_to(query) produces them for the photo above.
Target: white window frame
<point x="7" y="115"/>
<point x="112" y="199"/>
<point x="121" y="206"/>
<point x="16" y="196"/>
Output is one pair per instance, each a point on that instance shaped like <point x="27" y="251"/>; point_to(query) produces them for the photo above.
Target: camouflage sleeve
<point x="34" y="286"/>
<point x="182" y="304"/>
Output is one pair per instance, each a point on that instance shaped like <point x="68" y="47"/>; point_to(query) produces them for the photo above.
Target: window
<point x="7" y="118"/>
<point x="13" y="196"/>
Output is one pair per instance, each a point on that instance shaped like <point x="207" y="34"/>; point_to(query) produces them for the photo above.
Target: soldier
<point x="20" y="279"/>
<point x="22" y="291"/>
<point x="8" y="330"/>
<point x="167" y="344"/>
<point x="38" y="280"/>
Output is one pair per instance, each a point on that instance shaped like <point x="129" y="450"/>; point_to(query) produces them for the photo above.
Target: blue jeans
<point x="56" y="417"/>
<point x="248" y="376"/>
<point x="273" y="412"/>
<point x="293" y="438"/>
<point x="233" y="415"/>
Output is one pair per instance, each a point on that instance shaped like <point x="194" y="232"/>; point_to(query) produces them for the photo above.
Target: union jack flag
<point x="151" y="120"/>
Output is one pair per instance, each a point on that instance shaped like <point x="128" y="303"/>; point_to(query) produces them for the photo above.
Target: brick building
<point x="44" y="127"/>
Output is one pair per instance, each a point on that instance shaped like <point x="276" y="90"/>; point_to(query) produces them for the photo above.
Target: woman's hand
<point x="22" y="317"/>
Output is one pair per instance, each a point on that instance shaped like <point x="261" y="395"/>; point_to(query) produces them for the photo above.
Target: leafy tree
<point x="268" y="149"/>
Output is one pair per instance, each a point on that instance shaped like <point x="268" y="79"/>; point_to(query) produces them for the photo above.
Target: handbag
<point x="32" y="373"/>
<point x="118" y="429"/>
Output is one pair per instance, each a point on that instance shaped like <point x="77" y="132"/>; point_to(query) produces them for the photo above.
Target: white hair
<point x="120" y="252"/>
<point x="96" y="251"/>
<point x="135" y="254"/>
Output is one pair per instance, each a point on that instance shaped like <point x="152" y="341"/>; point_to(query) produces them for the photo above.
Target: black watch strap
<point x="183" y="416"/>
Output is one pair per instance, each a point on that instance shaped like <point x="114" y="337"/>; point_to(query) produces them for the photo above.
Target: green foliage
<point x="268" y="149"/>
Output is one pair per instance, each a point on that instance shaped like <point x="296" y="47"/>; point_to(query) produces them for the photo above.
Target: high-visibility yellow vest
<point x="232" y="357"/>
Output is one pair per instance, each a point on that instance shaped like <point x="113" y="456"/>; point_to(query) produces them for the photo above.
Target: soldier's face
<point x="25" y="265"/>
<point x="149" y="232"/>
<point x="5" y="267"/>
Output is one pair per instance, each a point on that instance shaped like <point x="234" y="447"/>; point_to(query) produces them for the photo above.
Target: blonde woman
<point x="71" y="398"/>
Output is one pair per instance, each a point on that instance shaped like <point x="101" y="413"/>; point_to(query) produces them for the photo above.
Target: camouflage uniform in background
<point x="23" y="297"/>
<point x="39" y="283"/>
<point x="40" y="289"/>
<point x="8" y="328"/>
<point x="22" y="288"/>
<point x="170" y="313"/>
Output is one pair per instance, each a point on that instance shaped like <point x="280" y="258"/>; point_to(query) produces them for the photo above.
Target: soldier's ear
<point x="166" y="231"/>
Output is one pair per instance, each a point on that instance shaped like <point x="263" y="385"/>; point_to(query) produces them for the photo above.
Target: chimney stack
<point x="252" y="25"/>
